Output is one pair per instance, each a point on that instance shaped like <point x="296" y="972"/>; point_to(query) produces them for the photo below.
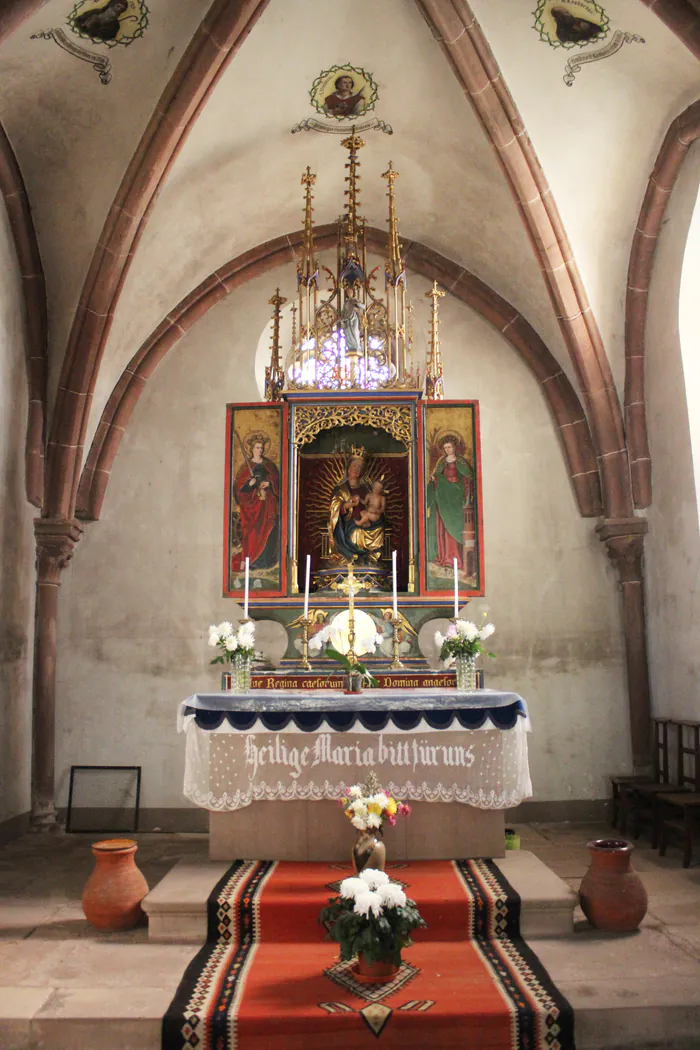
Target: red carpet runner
<point x="268" y="980"/>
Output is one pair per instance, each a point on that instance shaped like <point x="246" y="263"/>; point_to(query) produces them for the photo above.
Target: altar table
<point x="270" y="767"/>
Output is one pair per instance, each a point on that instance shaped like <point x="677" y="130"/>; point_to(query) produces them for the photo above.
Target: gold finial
<point x="294" y="326"/>
<point x="274" y="376"/>
<point x="434" y="385"/>
<point x="352" y="143"/>
<point x="394" y="263"/>
<point x="307" y="269"/>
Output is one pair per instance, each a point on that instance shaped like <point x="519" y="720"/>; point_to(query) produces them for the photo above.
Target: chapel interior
<point x="492" y="204"/>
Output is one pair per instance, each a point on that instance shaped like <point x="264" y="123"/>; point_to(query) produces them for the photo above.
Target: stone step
<point x="177" y="906"/>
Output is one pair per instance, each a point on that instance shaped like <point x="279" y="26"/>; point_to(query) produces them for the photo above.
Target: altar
<point x="270" y="767"/>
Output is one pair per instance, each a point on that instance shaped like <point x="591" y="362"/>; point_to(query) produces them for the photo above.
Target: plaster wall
<point x="146" y="581"/>
<point x="16" y="543"/>
<point x="673" y="545"/>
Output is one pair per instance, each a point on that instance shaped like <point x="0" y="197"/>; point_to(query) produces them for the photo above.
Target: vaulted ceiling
<point x="227" y="179"/>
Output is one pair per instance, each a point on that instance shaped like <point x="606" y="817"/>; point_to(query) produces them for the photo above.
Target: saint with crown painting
<point x="356" y="518"/>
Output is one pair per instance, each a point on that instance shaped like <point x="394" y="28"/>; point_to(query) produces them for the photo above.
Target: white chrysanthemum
<point x="213" y="636"/>
<point x="374" y="820"/>
<point x="359" y="807"/>
<point x="231" y="643"/>
<point x="486" y="631"/>
<point x="467" y="629"/>
<point x="350" y="888"/>
<point x="354" y="792"/>
<point x="382" y="798"/>
<point x="225" y="629"/>
<point x="392" y="895"/>
<point x="439" y="639"/>
<point x="358" y="822"/>
<point x="368" y="902"/>
<point x="374" y="878"/>
<point x="246" y="635"/>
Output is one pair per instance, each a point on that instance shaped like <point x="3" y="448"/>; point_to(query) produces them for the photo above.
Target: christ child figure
<point x="374" y="503"/>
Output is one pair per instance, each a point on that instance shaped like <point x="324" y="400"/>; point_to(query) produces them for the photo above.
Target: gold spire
<point x="294" y="326"/>
<point x="394" y="262"/>
<point x="308" y="267"/>
<point x="353" y="143"/>
<point x="434" y="385"/>
<point x="274" y="376"/>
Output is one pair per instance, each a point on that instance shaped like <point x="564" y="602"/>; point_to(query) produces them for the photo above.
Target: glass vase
<point x="466" y="672"/>
<point x="242" y="665"/>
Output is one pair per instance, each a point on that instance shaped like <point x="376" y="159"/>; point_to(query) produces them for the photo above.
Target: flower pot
<point x="369" y="851"/>
<point x="373" y="972"/>
<point x="613" y="897"/>
<point x="113" y="893"/>
<point x="353" y="682"/>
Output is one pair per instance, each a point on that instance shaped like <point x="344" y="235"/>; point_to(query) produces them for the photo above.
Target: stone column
<point x="55" y="543"/>
<point x="624" y="539"/>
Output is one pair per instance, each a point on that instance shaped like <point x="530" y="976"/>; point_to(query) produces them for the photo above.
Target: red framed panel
<point x="255" y="500"/>
<point x="451" y="519"/>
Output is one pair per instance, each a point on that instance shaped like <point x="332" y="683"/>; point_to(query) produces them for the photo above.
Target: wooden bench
<point x="678" y="813"/>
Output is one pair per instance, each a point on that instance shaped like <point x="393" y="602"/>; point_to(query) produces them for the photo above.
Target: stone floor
<point x="60" y="978"/>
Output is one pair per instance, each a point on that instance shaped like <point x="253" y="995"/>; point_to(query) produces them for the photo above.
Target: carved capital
<point x="624" y="539"/>
<point x="55" y="542"/>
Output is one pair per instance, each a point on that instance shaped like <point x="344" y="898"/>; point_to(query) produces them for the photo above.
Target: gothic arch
<point x="563" y="402"/>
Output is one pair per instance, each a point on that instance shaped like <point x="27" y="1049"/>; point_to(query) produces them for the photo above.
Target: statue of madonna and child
<point x="357" y="520"/>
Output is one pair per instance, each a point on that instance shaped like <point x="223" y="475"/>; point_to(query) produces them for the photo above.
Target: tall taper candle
<point x="454" y="562"/>
<point x="393" y="572"/>
<point x="247" y="585"/>
<point x="306" y="589"/>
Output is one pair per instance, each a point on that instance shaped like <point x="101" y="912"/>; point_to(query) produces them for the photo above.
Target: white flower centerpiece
<point x="373" y="919"/>
<point x="350" y="631"/>
<point x="236" y="646"/>
<point x="461" y="645"/>
<point x="368" y="807"/>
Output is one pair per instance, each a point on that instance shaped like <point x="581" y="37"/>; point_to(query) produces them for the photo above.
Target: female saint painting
<point x="352" y="532"/>
<point x="452" y="497"/>
<point x="256" y="490"/>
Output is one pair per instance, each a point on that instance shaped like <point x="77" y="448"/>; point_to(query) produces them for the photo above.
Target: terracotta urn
<point x="113" y="893"/>
<point x="373" y="972"/>
<point x="613" y="897"/>
<point x="369" y="851"/>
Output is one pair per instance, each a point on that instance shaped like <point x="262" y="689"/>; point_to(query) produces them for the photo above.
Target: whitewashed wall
<point x="673" y="545"/>
<point x="16" y="543"/>
<point x="146" y="581"/>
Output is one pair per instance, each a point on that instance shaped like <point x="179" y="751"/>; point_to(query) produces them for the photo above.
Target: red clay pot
<point x="375" y="972"/>
<point x="113" y="893"/>
<point x="613" y="897"/>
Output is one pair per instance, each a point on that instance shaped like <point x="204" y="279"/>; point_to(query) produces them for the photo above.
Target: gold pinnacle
<point x="308" y="178"/>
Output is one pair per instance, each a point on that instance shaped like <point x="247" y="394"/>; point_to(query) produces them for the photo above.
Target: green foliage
<point x="380" y="938"/>
<point x="361" y="668"/>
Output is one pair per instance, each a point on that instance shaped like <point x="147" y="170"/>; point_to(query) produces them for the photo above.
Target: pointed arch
<point x="217" y="40"/>
<point x="681" y="18"/>
<point x="564" y="405"/>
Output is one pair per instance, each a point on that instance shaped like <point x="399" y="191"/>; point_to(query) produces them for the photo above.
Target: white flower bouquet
<point x="463" y="638"/>
<point x="371" y="916"/>
<point x="368" y="812"/>
<point x="230" y="640"/>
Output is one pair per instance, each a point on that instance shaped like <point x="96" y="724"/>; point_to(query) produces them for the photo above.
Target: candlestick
<point x="305" y="665"/>
<point x="396" y="664"/>
<point x="393" y="571"/>
<point x="352" y="657"/>
<point x="454" y="563"/>
<point x="247" y="585"/>
<point x="306" y="590"/>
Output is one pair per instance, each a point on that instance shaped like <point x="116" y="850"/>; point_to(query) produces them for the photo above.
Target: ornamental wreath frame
<point x="547" y="39"/>
<point x="344" y="67"/>
<point x="136" y="35"/>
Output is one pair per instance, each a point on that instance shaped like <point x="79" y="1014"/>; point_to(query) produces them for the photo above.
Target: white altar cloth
<point x="429" y="747"/>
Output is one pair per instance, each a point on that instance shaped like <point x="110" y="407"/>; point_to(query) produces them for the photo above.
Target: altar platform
<point x="270" y="767"/>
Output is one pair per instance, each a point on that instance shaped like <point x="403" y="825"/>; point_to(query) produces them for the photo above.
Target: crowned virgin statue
<point x="357" y="521"/>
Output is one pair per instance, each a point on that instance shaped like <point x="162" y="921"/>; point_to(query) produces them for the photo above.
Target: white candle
<point x="396" y="599"/>
<point x="454" y="562"/>
<point x="247" y="585"/>
<point x="306" y="591"/>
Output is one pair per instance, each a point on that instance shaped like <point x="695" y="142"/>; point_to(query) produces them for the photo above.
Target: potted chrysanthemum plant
<point x="461" y="644"/>
<point x="373" y="919"/>
<point x="236" y="646"/>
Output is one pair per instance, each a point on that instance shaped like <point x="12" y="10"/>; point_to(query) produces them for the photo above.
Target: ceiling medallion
<point x="575" y="24"/>
<point x="343" y="95"/>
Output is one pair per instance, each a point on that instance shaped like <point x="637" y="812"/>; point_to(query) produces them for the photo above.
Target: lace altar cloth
<point x="428" y="747"/>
